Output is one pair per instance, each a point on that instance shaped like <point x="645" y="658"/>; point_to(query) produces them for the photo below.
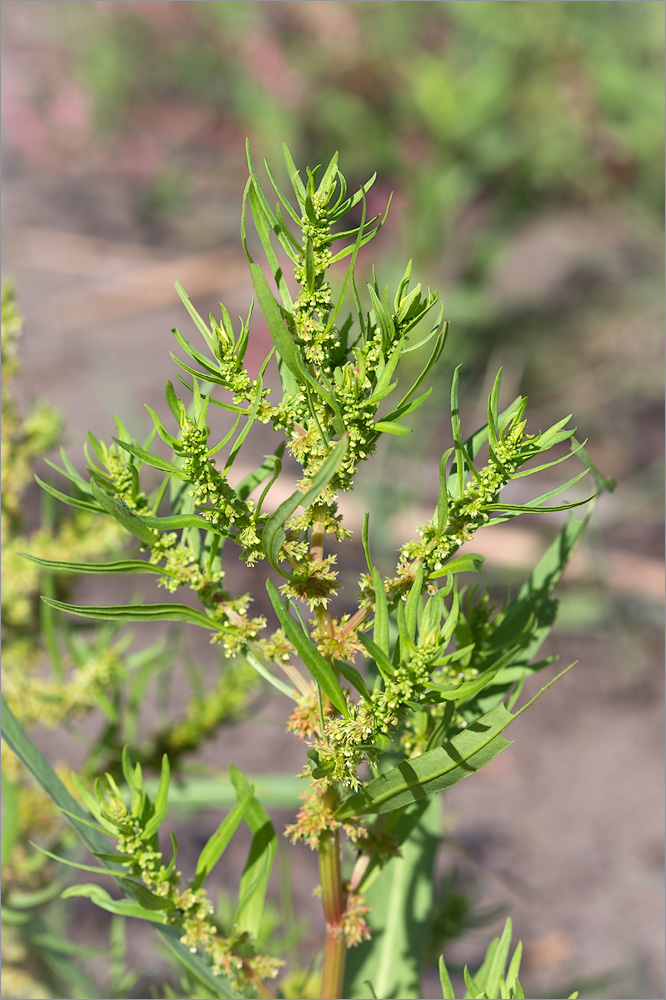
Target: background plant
<point x="427" y="715"/>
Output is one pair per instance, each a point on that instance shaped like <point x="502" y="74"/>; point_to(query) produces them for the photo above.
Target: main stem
<point x="330" y="870"/>
<point x="335" y="948"/>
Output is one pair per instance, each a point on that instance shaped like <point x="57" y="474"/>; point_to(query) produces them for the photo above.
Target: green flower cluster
<point x="218" y="501"/>
<point x="439" y="541"/>
<point x="189" y="909"/>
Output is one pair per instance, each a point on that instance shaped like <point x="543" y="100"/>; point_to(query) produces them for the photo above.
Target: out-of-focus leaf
<point x="400" y="901"/>
<point x="216" y="844"/>
<point x="263" y="849"/>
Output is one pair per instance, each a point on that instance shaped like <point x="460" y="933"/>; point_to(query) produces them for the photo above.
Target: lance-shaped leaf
<point x="285" y="345"/>
<point x="401" y="901"/>
<point x="384" y="665"/>
<point x="266" y="469"/>
<point x="273" y="535"/>
<point x="381" y="624"/>
<point x="120" y="907"/>
<point x="391" y="427"/>
<point x="284" y="342"/>
<point x="218" y="842"/>
<point x="263" y="849"/>
<point x="469" y="562"/>
<point x="70" y="501"/>
<point x="414" y="779"/>
<point x="122" y="514"/>
<point x="153" y="460"/>
<point x="121" y="566"/>
<point x="138" y="613"/>
<point x="320" y="668"/>
<point x="200" y="324"/>
<point x="350" y="673"/>
<point x="175" y="521"/>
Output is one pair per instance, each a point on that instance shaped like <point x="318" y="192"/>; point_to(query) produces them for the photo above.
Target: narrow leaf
<point x="319" y="667"/>
<point x="273" y="535"/>
<point x="390" y="427"/>
<point x="263" y="850"/>
<point x="138" y="612"/>
<point x="121" y="566"/>
<point x="218" y="842"/>
<point x="412" y="780"/>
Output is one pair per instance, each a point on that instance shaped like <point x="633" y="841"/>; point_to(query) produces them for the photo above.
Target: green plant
<point x="444" y="666"/>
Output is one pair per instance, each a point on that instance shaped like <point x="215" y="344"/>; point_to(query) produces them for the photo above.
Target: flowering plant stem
<point x="441" y="665"/>
<point x="335" y="947"/>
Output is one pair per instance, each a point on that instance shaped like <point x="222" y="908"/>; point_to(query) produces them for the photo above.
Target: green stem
<point x="335" y="948"/>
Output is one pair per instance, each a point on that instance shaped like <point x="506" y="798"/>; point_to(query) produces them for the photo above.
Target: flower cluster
<point x="189" y="909"/>
<point x="466" y="514"/>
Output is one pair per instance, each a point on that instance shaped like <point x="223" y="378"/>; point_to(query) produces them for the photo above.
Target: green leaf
<point x="174" y="522"/>
<point x="249" y="484"/>
<point x="413" y="602"/>
<point x="296" y="181"/>
<point x="273" y="535"/>
<point x="472" y="988"/>
<point x="148" y="900"/>
<point x="493" y="411"/>
<point x="218" y="842"/>
<point x="138" y="613"/>
<point x="384" y="665"/>
<point x="64" y="498"/>
<point x="121" y="566"/>
<point x="462" y="692"/>
<point x="442" y="512"/>
<point x="208" y="375"/>
<point x="153" y="460"/>
<point x="400" y="901"/>
<point x="412" y="780"/>
<point x="121" y="907"/>
<point x="263" y="850"/>
<point x="321" y="669"/>
<point x="534" y="601"/>
<point x="252" y="416"/>
<point x="350" y="673"/>
<point x="10" y="818"/>
<point x="200" y="324"/>
<point x="279" y="791"/>
<point x="262" y="670"/>
<point x="470" y="562"/>
<point x="284" y="342"/>
<point x="381" y="625"/>
<point x="263" y="214"/>
<point x="390" y="427"/>
<point x="604" y="483"/>
<point x="76" y="864"/>
<point x="492" y="970"/>
<point x="379" y="391"/>
<point x="161" y="800"/>
<point x="122" y="514"/>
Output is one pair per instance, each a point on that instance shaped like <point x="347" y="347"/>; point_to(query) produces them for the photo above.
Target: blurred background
<point x="523" y="142"/>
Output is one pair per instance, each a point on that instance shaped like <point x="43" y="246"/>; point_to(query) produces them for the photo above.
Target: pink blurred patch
<point x="266" y="61"/>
